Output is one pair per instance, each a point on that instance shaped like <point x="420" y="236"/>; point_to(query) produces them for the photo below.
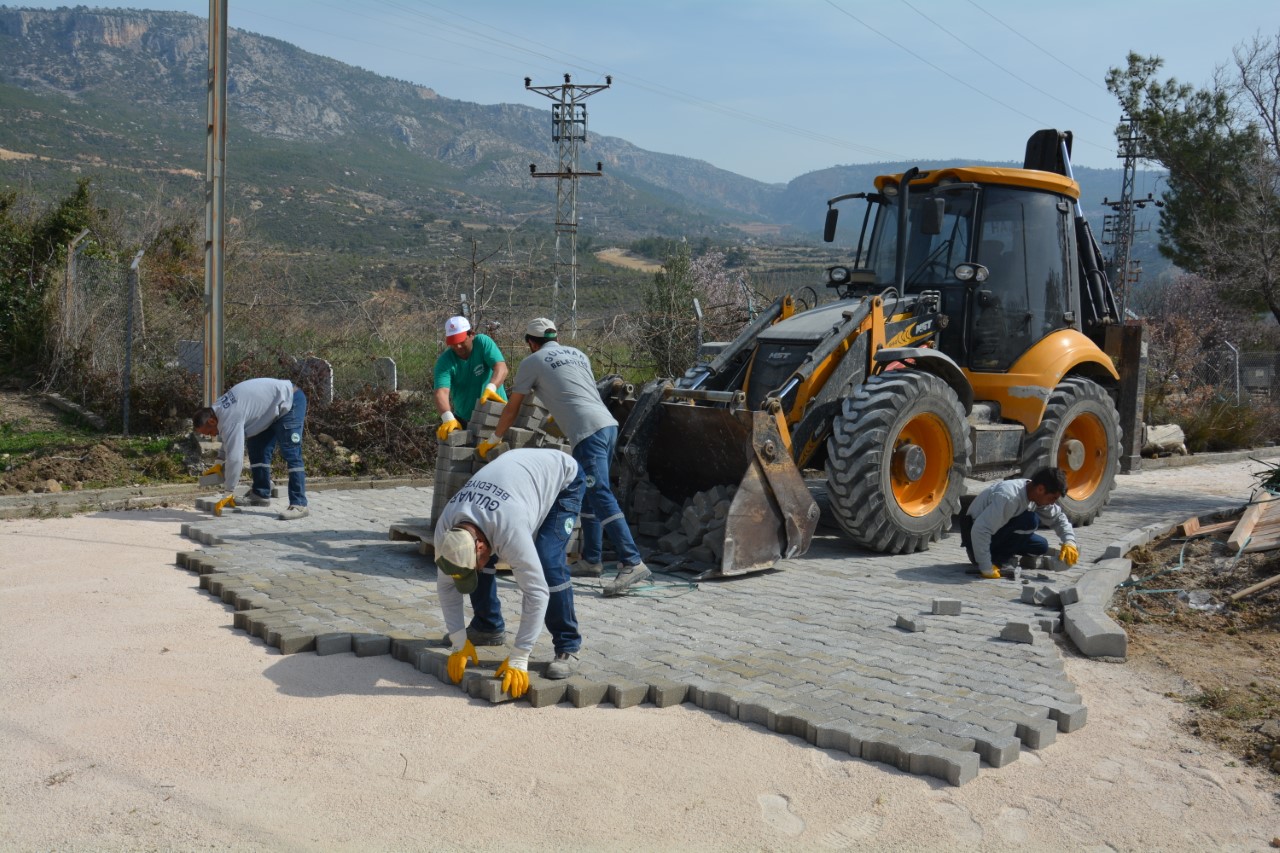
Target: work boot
<point x="486" y="638"/>
<point x="294" y="512"/>
<point x="583" y="569"/>
<point x="565" y="665"/>
<point x="252" y="498"/>
<point x="628" y="576"/>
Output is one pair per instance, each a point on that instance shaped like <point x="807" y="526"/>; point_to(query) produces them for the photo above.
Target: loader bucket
<point x="688" y="449"/>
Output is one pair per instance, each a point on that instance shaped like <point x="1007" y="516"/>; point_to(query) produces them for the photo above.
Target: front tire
<point x="896" y="461"/>
<point x="1079" y="433"/>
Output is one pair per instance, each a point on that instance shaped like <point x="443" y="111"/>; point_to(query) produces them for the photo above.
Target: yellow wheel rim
<point x="921" y="465"/>
<point x="1082" y="455"/>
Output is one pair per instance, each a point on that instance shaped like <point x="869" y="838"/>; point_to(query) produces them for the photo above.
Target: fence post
<point x="1236" y="372"/>
<point x="128" y="340"/>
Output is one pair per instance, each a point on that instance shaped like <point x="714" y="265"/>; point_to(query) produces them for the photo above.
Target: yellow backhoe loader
<point x="973" y="334"/>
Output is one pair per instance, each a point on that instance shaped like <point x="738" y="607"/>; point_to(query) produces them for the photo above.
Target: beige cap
<point x="456" y="557"/>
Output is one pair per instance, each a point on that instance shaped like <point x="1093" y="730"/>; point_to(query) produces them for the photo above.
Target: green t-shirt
<point x="466" y="379"/>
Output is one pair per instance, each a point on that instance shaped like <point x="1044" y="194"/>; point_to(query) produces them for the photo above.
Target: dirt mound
<point x="99" y="464"/>
<point x="1179" y="614"/>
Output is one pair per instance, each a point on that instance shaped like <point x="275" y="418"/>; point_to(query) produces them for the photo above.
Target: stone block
<point x="1094" y="633"/>
<point x="1018" y="632"/>
<point x="583" y="693"/>
<point x="453" y="453"/>
<point x="333" y="643"/>
<point x="370" y="645"/>
<point x="624" y="694"/>
<point x="664" y="694"/>
<point x="910" y="623"/>
<point x="955" y="766"/>
<point x="457" y="438"/>
<point x="674" y="543"/>
<point x="544" y="692"/>
<point x="292" y="642"/>
<point x="947" y="607"/>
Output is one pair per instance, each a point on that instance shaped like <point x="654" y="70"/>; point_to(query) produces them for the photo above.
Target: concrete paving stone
<point x="624" y="694"/>
<point x="293" y="642"/>
<point x="890" y="749"/>
<point x="333" y="643"/>
<point x="243" y="618"/>
<point x="664" y="694"/>
<point x="583" y="692"/>
<point x="946" y="606"/>
<point x="955" y="766"/>
<point x="543" y="692"/>
<point x="370" y="645"/>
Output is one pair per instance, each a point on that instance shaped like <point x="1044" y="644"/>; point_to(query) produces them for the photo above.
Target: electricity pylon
<point x="568" y="128"/>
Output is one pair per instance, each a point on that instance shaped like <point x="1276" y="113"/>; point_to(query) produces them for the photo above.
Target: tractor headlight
<point x="972" y="272"/>
<point x="837" y="275"/>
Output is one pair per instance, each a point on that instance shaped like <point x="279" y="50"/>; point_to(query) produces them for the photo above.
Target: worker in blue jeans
<point x="1000" y="525"/>
<point x="254" y="417"/>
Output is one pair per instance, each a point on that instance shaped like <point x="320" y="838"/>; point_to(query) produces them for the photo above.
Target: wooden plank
<point x="1244" y="528"/>
<point x="1258" y="546"/>
<point x="1219" y="527"/>
<point x="1189" y="527"/>
<point x="1257" y="587"/>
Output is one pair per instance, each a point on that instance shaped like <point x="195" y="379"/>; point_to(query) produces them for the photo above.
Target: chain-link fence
<point x="1242" y="377"/>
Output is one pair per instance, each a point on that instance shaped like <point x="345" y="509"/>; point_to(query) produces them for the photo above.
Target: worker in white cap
<point x="471" y="368"/>
<point x="562" y="377"/>
<point x="521" y="508"/>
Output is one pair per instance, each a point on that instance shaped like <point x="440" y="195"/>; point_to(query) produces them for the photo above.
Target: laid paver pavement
<point x="815" y="648"/>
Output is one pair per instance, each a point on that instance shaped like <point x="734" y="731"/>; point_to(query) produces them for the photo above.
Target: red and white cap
<point x="455" y="330"/>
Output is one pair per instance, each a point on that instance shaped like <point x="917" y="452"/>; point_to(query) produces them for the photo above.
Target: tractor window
<point x="1024" y="243"/>
<point x="931" y="258"/>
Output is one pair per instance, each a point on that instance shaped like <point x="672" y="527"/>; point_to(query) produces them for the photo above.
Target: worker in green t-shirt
<point x="471" y="369"/>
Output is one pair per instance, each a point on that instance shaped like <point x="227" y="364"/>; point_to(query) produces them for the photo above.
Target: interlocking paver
<point x="817" y="649"/>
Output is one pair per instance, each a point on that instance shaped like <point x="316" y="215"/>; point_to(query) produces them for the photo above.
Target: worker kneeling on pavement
<point x="521" y="508"/>
<point x="562" y="378"/>
<point x="255" y="416"/>
<point x="1000" y="526"/>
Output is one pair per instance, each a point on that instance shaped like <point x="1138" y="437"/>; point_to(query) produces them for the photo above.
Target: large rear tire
<point x="1080" y="433"/>
<point x="896" y="461"/>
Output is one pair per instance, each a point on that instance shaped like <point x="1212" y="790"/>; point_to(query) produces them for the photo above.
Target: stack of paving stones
<point x="688" y="534"/>
<point x="456" y="457"/>
<point x="852" y="653"/>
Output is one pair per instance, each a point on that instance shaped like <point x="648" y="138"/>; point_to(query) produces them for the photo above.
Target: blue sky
<point x="773" y="89"/>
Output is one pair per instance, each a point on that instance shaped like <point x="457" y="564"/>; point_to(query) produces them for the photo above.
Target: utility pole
<point x="1118" y="227"/>
<point x="568" y="128"/>
<point x="215" y="194"/>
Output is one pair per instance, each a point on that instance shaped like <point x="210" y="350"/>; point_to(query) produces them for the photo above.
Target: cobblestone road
<point x="811" y="649"/>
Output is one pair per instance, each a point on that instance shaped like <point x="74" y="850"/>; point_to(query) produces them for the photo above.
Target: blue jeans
<point x="601" y="513"/>
<point x="1018" y="536"/>
<point x="287" y="431"/>
<point x="550" y="541"/>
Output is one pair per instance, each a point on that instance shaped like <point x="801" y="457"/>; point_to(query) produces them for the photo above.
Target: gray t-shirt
<point x="508" y="499"/>
<point x="563" y="380"/>
<point x="246" y="410"/>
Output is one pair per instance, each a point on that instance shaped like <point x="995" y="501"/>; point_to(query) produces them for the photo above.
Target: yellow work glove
<point x="228" y="501"/>
<point x="448" y="423"/>
<point x="213" y="469"/>
<point x="485" y="447"/>
<point x="993" y="573"/>
<point x="458" y="661"/>
<point x="514" y="672"/>
<point x="490" y="394"/>
<point x="1069" y="554"/>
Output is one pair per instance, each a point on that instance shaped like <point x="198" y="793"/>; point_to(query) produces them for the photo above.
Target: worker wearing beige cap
<point x="471" y="369"/>
<point x="521" y="508"/>
<point x="562" y="377"/>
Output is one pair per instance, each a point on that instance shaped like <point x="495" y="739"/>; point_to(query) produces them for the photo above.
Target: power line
<point x="1037" y="47"/>
<point x="1020" y="78"/>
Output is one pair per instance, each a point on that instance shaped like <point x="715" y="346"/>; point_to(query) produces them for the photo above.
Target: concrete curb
<point x="1084" y="612"/>
<point x="48" y="504"/>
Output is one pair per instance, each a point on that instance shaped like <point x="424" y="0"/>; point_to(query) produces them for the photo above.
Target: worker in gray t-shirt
<point x="563" y="380"/>
<point x="520" y="509"/>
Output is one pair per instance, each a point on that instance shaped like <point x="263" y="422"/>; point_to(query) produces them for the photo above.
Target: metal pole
<point x="215" y="164"/>
<point x="128" y="341"/>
